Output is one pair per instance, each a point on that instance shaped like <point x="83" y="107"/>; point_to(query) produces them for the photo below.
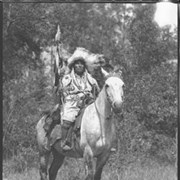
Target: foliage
<point x="127" y="36"/>
<point x="150" y="117"/>
<point x="143" y="37"/>
<point x="154" y="98"/>
<point x="168" y="42"/>
<point x="23" y="101"/>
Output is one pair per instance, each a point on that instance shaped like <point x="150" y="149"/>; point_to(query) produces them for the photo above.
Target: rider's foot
<point x="65" y="146"/>
<point x="47" y="147"/>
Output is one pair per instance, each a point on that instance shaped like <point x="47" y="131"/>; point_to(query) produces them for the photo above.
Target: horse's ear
<point x="104" y="72"/>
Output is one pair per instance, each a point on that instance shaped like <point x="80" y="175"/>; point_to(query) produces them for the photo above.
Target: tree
<point x="168" y="42"/>
<point x="153" y="97"/>
<point x="143" y="34"/>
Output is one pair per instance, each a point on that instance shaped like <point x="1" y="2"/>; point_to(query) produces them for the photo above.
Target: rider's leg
<point x="65" y="129"/>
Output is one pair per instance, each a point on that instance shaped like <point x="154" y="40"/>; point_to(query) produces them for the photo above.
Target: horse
<point x="97" y="133"/>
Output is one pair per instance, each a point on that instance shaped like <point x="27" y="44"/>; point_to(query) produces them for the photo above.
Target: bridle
<point x="100" y="116"/>
<point x="109" y="101"/>
<point x="107" y="95"/>
<point x="108" y="98"/>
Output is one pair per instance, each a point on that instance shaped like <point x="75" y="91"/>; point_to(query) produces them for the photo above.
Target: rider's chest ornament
<point x="71" y="88"/>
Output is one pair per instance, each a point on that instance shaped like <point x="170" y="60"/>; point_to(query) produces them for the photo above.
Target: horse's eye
<point x="123" y="86"/>
<point x="106" y="86"/>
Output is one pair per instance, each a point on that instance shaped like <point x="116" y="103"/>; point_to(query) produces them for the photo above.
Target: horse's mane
<point x="114" y="74"/>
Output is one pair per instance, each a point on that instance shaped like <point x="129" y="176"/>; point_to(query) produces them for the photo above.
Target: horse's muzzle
<point x="117" y="107"/>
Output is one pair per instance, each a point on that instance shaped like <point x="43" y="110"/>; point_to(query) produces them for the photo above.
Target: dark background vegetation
<point x="128" y="36"/>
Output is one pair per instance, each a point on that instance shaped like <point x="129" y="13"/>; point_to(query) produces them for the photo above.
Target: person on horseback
<point x="78" y="87"/>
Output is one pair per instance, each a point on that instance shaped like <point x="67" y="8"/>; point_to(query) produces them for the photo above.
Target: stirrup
<point x="66" y="147"/>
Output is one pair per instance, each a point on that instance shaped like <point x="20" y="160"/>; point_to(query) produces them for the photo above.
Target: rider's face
<point x="79" y="67"/>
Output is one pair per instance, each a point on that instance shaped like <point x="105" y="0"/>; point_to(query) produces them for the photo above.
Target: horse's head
<point x="114" y="88"/>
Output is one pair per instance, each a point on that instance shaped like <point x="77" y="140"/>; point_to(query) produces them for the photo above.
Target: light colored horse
<point x="97" y="133"/>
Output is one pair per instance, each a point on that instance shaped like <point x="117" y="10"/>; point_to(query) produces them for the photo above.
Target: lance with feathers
<point x="58" y="60"/>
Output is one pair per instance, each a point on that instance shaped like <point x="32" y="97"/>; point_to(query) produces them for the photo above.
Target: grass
<point x="137" y="171"/>
<point x="31" y="174"/>
<point x="73" y="170"/>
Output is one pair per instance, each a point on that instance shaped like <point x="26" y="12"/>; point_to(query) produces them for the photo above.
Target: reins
<point x="100" y="119"/>
<point x="99" y="116"/>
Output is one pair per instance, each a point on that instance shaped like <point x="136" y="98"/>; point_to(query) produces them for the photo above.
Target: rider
<point x="76" y="85"/>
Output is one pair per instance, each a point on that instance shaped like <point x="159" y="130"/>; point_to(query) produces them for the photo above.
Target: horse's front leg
<point x="56" y="164"/>
<point x="43" y="158"/>
<point x="101" y="161"/>
<point x="89" y="163"/>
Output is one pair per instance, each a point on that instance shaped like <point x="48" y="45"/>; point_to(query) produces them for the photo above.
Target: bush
<point x="150" y="117"/>
<point x="153" y="98"/>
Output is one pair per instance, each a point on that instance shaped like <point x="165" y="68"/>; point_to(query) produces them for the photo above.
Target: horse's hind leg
<point x="101" y="161"/>
<point x="89" y="162"/>
<point x="44" y="158"/>
<point x="55" y="165"/>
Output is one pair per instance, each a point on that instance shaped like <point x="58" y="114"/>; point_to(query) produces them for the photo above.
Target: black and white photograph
<point x="90" y="90"/>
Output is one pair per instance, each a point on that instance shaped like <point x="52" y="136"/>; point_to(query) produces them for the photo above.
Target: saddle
<point x="86" y="102"/>
<point x="52" y="125"/>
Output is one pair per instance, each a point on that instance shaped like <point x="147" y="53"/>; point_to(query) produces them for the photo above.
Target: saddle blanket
<point x="55" y="134"/>
<point x="53" y="127"/>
